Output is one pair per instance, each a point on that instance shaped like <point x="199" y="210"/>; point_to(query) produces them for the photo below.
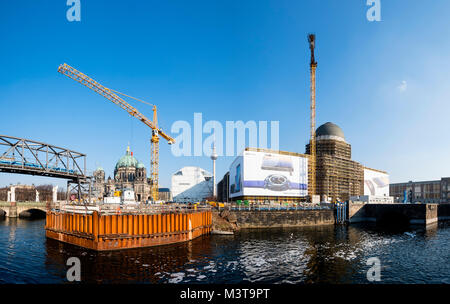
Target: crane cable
<point x="131" y="120"/>
<point x="132" y="97"/>
<point x="143" y="101"/>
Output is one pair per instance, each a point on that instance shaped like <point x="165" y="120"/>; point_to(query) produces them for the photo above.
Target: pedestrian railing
<point x="257" y="207"/>
<point x="28" y="203"/>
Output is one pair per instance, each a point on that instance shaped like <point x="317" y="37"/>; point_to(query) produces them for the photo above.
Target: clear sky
<point x="386" y="84"/>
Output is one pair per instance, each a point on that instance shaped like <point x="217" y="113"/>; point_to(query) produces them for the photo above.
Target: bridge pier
<point x="12" y="210"/>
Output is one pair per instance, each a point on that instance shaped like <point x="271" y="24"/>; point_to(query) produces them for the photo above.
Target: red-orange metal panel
<point x="101" y="225"/>
<point x="141" y="224"/>
<point x="159" y="223"/>
<point x="119" y="224"/>
<point x="172" y="222"/>
<point x="145" y="218"/>
<point x="135" y="225"/>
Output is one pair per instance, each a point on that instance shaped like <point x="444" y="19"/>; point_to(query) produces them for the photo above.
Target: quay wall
<point x="411" y="213"/>
<point x="246" y="219"/>
<point x="444" y="212"/>
<point x="122" y="231"/>
<point x="357" y="213"/>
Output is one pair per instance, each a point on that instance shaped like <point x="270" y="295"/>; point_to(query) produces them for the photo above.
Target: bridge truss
<point x="25" y="156"/>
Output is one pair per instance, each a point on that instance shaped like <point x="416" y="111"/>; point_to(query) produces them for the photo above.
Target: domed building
<point x="337" y="176"/>
<point x="129" y="173"/>
<point x="330" y="131"/>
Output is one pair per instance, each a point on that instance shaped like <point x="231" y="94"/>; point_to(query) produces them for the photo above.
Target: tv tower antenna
<point x="214" y="156"/>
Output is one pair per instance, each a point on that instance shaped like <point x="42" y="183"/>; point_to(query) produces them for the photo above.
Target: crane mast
<point x="155" y="159"/>
<point x="85" y="80"/>
<point x="312" y="146"/>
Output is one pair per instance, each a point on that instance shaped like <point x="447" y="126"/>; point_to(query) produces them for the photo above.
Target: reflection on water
<point x="325" y="254"/>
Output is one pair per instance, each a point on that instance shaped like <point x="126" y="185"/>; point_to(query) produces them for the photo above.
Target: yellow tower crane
<point x="76" y="75"/>
<point x="312" y="146"/>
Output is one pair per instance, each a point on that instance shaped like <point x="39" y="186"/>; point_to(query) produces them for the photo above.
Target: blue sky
<point x="386" y="84"/>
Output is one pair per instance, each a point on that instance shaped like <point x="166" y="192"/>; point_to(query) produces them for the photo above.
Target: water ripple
<point x="296" y="255"/>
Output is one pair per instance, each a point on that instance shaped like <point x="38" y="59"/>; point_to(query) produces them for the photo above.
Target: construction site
<point x="334" y="175"/>
<point x="126" y="211"/>
<point x="325" y="172"/>
<point x="111" y="95"/>
<point x="196" y="148"/>
<point x="328" y="172"/>
<point x="331" y="173"/>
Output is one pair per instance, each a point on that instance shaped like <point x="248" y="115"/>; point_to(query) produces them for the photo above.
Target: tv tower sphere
<point x="214" y="155"/>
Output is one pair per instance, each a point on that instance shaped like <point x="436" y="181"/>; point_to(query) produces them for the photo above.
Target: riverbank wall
<point x="396" y="213"/>
<point x="250" y="219"/>
<point x="444" y="212"/>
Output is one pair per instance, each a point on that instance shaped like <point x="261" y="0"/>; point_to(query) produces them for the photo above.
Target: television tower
<point x="214" y="157"/>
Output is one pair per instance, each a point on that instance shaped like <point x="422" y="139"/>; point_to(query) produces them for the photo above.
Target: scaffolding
<point x="338" y="177"/>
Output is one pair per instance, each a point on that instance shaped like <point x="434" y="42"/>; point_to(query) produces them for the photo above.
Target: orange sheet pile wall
<point x="122" y="231"/>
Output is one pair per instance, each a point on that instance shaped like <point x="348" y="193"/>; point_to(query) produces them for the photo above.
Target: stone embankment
<point x="224" y="221"/>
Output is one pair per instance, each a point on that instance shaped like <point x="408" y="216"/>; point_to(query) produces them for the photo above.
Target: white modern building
<point x="191" y="184"/>
<point x="260" y="175"/>
<point x="376" y="188"/>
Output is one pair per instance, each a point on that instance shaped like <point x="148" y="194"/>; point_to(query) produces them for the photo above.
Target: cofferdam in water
<point x="325" y="254"/>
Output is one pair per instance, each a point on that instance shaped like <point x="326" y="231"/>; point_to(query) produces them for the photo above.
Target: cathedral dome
<point x="128" y="160"/>
<point x="140" y="165"/>
<point x="330" y="131"/>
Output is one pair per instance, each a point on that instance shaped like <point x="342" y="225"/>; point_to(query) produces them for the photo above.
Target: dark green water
<point x="326" y="254"/>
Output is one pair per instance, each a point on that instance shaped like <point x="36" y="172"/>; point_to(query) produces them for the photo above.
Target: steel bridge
<point x="25" y="156"/>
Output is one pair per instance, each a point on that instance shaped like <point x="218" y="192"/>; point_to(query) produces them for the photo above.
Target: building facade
<point x="222" y="188"/>
<point x="191" y="184"/>
<point x="260" y="175"/>
<point x="165" y="194"/>
<point x="337" y="176"/>
<point x="129" y="173"/>
<point x="435" y="191"/>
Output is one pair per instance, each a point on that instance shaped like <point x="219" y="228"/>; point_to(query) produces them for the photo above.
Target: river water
<point x="326" y="254"/>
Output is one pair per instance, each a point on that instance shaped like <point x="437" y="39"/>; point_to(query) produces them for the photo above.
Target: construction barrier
<point x="122" y="231"/>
